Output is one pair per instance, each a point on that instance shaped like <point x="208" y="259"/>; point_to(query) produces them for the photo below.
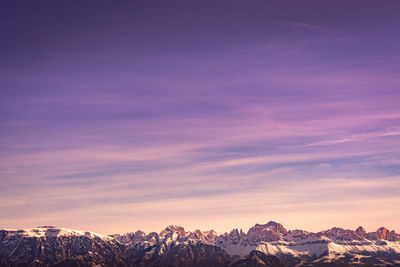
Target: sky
<point x="124" y="115"/>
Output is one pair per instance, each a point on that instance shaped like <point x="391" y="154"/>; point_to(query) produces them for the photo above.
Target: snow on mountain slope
<point x="326" y="246"/>
<point x="336" y="246"/>
<point x="51" y="231"/>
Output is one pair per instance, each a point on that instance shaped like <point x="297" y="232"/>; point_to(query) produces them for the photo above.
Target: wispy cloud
<point x="355" y="138"/>
<point x="306" y="25"/>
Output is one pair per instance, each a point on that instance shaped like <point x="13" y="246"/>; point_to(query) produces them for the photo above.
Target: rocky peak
<point x="234" y="234"/>
<point x="276" y="227"/>
<point x="197" y="235"/>
<point x="297" y="235"/>
<point x="131" y="238"/>
<point x="340" y="234"/>
<point x="211" y="234"/>
<point x="271" y="231"/>
<point x="153" y="237"/>
<point x="382" y="233"/>
<point x="173" y="229"/>
<point x="241" y="233"/>
<point x="360" y="231"/>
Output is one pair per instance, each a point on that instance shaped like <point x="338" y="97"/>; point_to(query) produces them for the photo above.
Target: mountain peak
<point x="271" y="231"/>
<point x="272" y="223"/>
<point x="382" y="233"/>
<point x="173" y="231"/>
<point x="360" y="231"/>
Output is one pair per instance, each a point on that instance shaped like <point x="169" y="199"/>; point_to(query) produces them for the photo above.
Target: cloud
<point x="306" y="25"/>
<point x="356" y="138"/>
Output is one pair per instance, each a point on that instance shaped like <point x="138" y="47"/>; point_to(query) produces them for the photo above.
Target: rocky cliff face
<point x="267" y="244"/>
<point x="271" y="231"/>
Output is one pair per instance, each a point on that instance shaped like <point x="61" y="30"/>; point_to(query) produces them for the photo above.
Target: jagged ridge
<point x="173" y="246"/>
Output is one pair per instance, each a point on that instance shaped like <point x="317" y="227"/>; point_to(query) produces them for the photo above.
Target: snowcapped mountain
<point x="263" y="245"/>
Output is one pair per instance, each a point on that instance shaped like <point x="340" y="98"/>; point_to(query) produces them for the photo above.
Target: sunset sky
<point x="124" y="115"/>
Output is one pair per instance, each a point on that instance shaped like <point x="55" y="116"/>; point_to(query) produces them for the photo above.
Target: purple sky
<point x="139" y="114"/>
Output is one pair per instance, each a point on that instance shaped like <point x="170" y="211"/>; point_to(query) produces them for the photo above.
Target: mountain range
<point x="267" y="244"/>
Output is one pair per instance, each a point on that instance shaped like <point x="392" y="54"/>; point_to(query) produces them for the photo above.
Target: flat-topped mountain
<point x="267" y="244"/>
